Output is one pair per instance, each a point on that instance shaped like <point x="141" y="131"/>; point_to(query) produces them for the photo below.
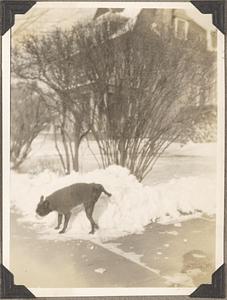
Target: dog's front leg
<point x="67" y="217"/>
<point x="59" y="221"/>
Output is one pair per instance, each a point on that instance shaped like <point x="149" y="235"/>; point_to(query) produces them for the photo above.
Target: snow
<point x="172" y="232"/>
<point x="43" y="145"/>
<point x="194" y="272"/>
<point x="100" y="270"/>
<point x="179" y="279"/>
<point x="131" y="207"/>
<point x="198" y="255"/>
<point x="192" y="149"/>
<point x="131" y="256"/>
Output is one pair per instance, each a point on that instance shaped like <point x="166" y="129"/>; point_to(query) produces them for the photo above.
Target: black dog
<point x="65" y="199"/>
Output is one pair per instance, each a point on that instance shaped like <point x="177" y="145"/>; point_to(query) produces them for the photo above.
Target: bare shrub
<point x="28" y="118"/>
<point x="51" y="62"/>
<point x="148" y="89"/>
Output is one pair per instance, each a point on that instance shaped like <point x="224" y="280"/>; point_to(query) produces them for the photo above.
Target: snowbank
<point x="131" y="207"/>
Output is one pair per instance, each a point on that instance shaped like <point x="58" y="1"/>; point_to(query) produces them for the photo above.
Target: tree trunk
<point x="67" y="157"/>
<point x="58" y="149"/>
<point x="64" y="140"/>
<point x="76" y="148"/>
<point x="122" y="152"/>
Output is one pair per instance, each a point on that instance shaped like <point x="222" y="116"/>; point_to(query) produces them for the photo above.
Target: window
<point x="181" y="28"/>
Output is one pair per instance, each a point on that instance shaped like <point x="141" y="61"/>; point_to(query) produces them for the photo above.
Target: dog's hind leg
<point x="59" y="221"/>
<point x="67" y="217"/>
<point x="92" y="209"/>
<point x="89" y="210"/>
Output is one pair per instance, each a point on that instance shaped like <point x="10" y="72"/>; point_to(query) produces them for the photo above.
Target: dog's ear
<point x="41" y="199"/>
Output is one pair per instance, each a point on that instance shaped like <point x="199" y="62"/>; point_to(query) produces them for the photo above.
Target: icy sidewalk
<point x="178" y="255"/>
<point x="181" y="253"/>
<point x="71" y="264"/>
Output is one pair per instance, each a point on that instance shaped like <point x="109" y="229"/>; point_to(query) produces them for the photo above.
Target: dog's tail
<point x="105" y="192"/>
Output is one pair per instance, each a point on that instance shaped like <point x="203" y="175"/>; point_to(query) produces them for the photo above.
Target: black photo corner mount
<point x="216" y="8"/>
<point x="216" y="289"/>
<point x="9" y="290"/>
<point x="9" y="9"/>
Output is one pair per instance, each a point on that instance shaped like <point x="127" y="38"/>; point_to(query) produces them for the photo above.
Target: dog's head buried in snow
<point x="65" y="199"/>
<point x="43" y="207"/>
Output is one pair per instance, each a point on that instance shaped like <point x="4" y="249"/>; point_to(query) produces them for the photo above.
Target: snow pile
<point x="131" y="207"/>
<point x="100" y="270"/>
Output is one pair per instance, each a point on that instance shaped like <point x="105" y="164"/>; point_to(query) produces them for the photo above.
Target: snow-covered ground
<point x="43" y="145"/>
<point x="148" y="232"/>
<point x="131" y="207"/>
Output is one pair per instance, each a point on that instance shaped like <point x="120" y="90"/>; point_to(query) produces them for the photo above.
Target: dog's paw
<point x="92" y="232"/>
<point x="56" y="228"/>
<point x="62" y="231"/>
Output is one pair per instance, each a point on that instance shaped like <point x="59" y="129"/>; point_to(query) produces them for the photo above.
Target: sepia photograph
<point x="114" y="170"/>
